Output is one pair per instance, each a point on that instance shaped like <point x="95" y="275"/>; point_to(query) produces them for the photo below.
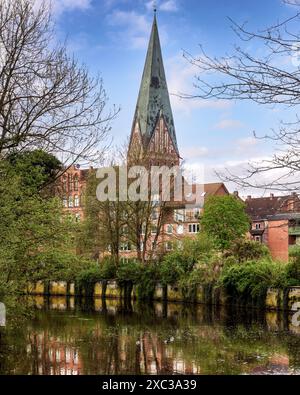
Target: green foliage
<point x="108" y="268"/>
<point x="35" y="168"/>
<point x="245" y="250"/>
<point x="32" y="228"/>
<point x="293" y="267"/>
<point x="251" y="280"/>
<point x="224" y="220"/>
<point x="130" y="270"/>
<point x="147" y="281"/>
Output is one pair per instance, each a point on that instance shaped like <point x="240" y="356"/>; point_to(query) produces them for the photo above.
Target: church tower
<point x="153" y="137"/>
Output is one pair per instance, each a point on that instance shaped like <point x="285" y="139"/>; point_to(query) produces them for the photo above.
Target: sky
<point x="111" y="38"/>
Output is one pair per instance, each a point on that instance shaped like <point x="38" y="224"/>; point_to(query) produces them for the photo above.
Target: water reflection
<point x="71" y="337"/>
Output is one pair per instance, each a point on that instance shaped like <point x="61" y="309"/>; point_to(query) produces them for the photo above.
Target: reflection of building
<point x="275" y="222"/>
<point x="53" y="356"/>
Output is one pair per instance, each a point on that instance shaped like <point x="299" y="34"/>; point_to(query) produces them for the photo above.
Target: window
<point x="169" y="246"/>
<point x="179" y="244"/>
<point x="65" y="202"/>
<point x="196" y="213"/>
<point x="143" y="229"/>
<point x="125" y="246"/>
<point x="155" y="198"/>
<point x="76" y="201"/>
<point x="64" y="184"/>
<point x="257" y="226"/>
<point x="70" y="182"/>
<point x="194" y="228"/>
<point x="169" y="229"/>
<point x="179" y="215"/>
<point x="77" y="217"/>
<point x="154" y="229"/>
<point x="70" y="203"/>
<point x="180" y="229"/>
<point x="76" y="183"/>
<point x="258" y="239"/>
<point x="154" y="214"/>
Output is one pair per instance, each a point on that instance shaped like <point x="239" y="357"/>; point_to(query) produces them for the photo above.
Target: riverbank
<point x="276" y="299"/>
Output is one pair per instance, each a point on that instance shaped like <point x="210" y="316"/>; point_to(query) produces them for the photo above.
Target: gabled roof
<point x="153" y="100"/>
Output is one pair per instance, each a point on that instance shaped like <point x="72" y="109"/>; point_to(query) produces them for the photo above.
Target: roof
<point x="214" y="188"/>
<point x="268" y="207"/>
<point x="153" y="100"/>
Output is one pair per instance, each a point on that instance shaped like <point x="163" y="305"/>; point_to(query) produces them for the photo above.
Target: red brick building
<point x="275" y="222"/>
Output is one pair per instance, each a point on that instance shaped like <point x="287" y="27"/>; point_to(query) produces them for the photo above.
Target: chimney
<point x="294" y="194"/>
<point x="236" y="193"/>
<point x="249" y="197"/>
<point x="272" y="196"/>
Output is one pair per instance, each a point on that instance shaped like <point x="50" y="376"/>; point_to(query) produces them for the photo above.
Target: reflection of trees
<point x="141" y="339"/>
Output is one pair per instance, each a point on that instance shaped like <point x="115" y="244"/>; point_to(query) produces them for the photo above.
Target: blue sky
<point x="111" y="37"/>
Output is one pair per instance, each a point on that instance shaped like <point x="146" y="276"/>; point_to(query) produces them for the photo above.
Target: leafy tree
<point x="37" y="169"/>
<point x="224" y="220"/>
<point x="33" y="229"/>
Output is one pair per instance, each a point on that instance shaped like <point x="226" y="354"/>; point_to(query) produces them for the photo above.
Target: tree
<point x="264" y="79"/>
<point x="38" y="169"/>
<point x="32" y="227"/>
<point x="47" y="100"/>
<point x="224" y="220"/>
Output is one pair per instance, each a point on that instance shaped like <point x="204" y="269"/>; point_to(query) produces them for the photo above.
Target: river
<point x="67" y="337"/>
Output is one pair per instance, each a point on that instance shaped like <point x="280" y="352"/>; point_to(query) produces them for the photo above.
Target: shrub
<point x="129" y="271"/>
<point x="147" y="281"/>
<point x="246" y="250"/>
<point x="108" y="268"/>
<point x="251" y="280"/>
<point x="293" y="267"/>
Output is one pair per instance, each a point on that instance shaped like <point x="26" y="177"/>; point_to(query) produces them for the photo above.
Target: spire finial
<point x="154" y="7"/>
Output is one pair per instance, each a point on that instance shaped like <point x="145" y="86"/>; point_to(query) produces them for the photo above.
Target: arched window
<point x="76" y="201"/>
<point x="76" y="182"/>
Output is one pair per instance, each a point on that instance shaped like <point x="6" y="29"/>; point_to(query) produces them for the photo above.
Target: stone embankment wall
<point x="276" y="299"/>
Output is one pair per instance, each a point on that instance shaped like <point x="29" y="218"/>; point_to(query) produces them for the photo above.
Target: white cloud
<point x="180" y="75"/>
<point x="60" y="6"/>
<point x="167" y="5"/>
<point x="137" y="28"/>
<point x="194" y="152"/>
<point x="229" y="124"/>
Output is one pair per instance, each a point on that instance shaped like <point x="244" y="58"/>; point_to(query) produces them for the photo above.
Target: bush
<point x="147" y="281"/>
<point x="250" y="280"/>
<point x="293" y="267"/>
<point x="108" y="268"/>
<point x="129" y="271"/>
<point x="246" y="250"/>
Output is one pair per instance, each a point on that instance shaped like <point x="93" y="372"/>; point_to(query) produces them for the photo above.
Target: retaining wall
<point x="276" y="299"/>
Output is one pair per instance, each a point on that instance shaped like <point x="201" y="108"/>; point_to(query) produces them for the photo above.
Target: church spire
<point x="153" y="100"/>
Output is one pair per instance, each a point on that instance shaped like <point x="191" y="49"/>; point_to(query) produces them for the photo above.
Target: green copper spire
<point x="153" y="100"/>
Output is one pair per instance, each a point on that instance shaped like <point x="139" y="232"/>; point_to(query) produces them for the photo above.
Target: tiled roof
<point x="264" y="208"/>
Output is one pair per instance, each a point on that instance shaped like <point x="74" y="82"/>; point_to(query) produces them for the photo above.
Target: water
<point x="64" y="338"/>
